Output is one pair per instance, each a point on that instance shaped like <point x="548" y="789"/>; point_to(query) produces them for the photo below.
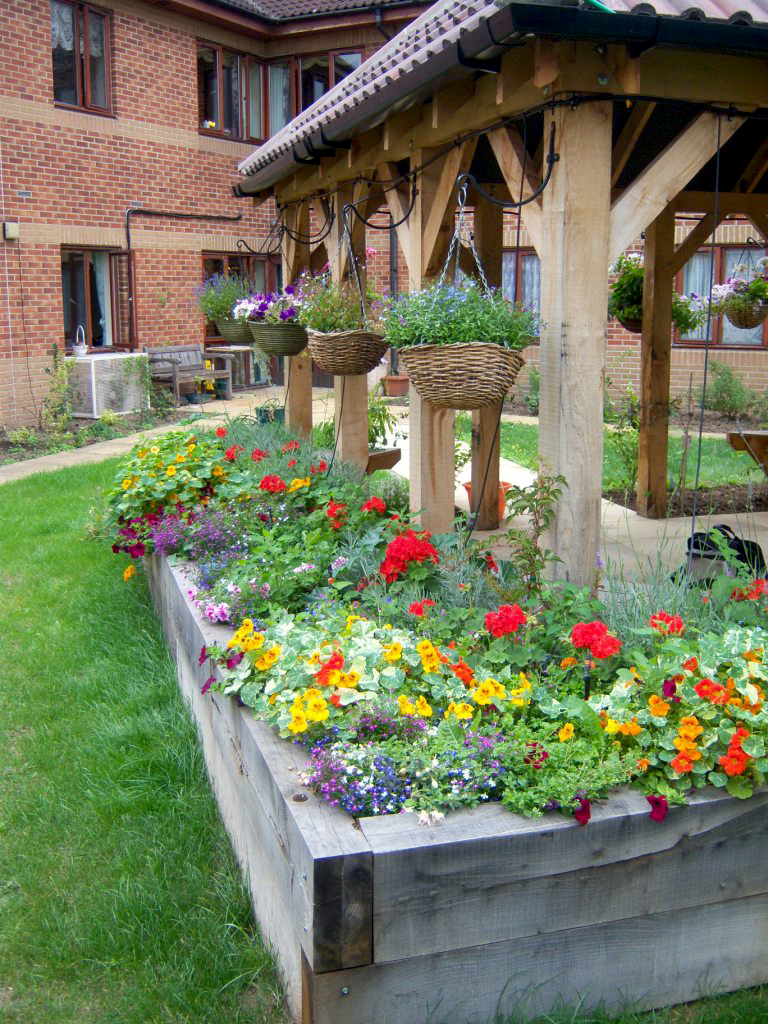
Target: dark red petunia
<point x="207" y="684"/>
<point x="584" y="812"/>
<point x="659" y="807"/>
<point x="203" y="655"/>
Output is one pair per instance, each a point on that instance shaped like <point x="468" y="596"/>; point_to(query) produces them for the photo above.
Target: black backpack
<point x="721" y="545"/>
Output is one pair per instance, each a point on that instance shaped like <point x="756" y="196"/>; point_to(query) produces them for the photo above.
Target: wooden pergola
<point x="646" y="111"/>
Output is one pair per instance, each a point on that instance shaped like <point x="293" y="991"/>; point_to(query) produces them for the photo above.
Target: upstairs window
<point x="319" y="73"/>
<point x="81" y="56"/>
<point x="230" y="93"/>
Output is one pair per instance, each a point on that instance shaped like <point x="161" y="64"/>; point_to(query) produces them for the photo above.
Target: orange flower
<point x="643" y="764"/>
<point x="682" y="764"/>
<point x="568" y="663"/>
<point x="658" y="707"/>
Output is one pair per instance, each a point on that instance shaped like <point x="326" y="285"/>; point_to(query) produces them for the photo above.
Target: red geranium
<point x="273" y="484"/>
<point x="258" y="455"/>
<point x="320" y="467"/>
<point x="595" y="637"/>
<point x="221" y="432"/>
<point x="406" y="548"/>
<point x="508" y="619"/>
<point x="374" y="505"/>
<point x="231" y="453"/>
<point x="755" y="590"/>
<point x="291" y="446"/>
<point x="669" y="625"/>
<point x="336" y="513"/>
<point x="418" y="608"/>
<point x="291" y="463"/>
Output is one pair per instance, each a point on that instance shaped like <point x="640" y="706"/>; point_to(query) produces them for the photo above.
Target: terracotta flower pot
<point x="504" y="486"/>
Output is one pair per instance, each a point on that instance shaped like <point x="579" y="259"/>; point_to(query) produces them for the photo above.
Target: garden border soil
<point x="487" y="913"/>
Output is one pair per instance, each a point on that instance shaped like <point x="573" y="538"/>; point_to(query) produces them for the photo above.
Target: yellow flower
<point x="129" y="482"/>
<point x="352" y="619"/>
<point x="312" y="691"/>
<point x="253" y="643"/>
<point x="483" y="693"/>
<point x="431" y="664"/>
<point x="141" y="453"/>
<point x="519" y="694"/>
<point x="461" y="710"/>
<point x="297" y="483"/>
<point x="218" y="471"/>
<point x="191" y="448"/>
<point x="387" y="625"/>
<point x="566" y="733"/>
<point x="181" y="458"/>
<point x="246" y="626"/>
<point x="423" y="708"/>
<point x="298" y="722"/>
<point x="129" y="572"/>
<point x="314" y="661"/>
<point x="425" y="649"/>
<point x="611" y="726"/>
<point x="317" y="709"/>
<point x="298" y="704"/>
<point x="171" y="471"/>
<point x="406" y="708"/>
<point x="349" y="679"/>
<point x="392" y="652"/>
<point x="334" y="677"/>
<point x="154" y="449"/>
<point x="268" y="658"/>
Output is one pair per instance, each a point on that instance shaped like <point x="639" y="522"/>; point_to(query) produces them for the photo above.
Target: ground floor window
<point x="521" y="278"/>
<point x="695" y="279"/>
<point x="260" y="273"/>
<point x="87" y="291"/>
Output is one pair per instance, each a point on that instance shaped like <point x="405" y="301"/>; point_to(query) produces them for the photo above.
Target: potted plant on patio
<point x="744" y="297"/>
<point x="626" y="298"/>
<point x="273" y="321"/>
<point x="460" y="345"/>
<point x="344" y="336"/>
<point x="217" y="299"/>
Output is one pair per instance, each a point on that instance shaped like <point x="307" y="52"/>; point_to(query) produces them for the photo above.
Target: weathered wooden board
<point x="486" y="913"/>
<point x="454" y="894"/>
<point x="644" y="962"/>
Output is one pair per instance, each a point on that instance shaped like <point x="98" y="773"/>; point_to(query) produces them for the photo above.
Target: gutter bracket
<point x="304" y="159"/>
<point x="491" y="65"/>
<point x="344" y="144"/>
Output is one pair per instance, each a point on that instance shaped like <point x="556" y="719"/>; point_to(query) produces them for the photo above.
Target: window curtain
<point x="62" y="27"/>
<point x="508" y="276"/>
<point x="696" y="281"/>
<point x="99" y="267"/>
<point x="530" y="294"/>
<point x="279" y="97"/>
<point x="96" y="36"/>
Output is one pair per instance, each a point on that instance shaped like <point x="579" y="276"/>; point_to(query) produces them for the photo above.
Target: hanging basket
<point x="465" y="376"/>
<point x="745" y="315"/>
<point x="631" y="323"/>
<point x="347" y="353"/>
<point x="279" y="339"/>
<point x="236" y="332"/>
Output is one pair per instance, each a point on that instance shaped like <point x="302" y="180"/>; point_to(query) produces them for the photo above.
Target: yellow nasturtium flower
<point x="461" y="710"/>
<point x="566" y="733"/>
<point x="406" y="707"/>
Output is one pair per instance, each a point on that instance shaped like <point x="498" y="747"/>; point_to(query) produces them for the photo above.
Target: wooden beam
<point x="760" y="220"/>
<point x="693" y="241"/>
<point x="485" y="457"/>
<point x="655" y="356"/>
<point x="755" y="170"/>
<point x="488" y="228"/>
<point x="727" y="202"/>
<point x="546" y="62"/>
<point x="624" y="68"/>
<point x="350" y="396"/>
<point x="510" y="155"/>
<point x="437" y="186"/>
<point x="298" y="369"/>
<point x="630" y="133"/>
<point x="397" y="200"/>
<point x="432" y="454"/>
<point x="575" y="232"/>
<point x="660" y="182"/>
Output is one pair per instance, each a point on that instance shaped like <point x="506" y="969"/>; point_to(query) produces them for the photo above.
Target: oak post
<point x="432" y="450"/>
<point x="298" y="369"/>
<point x="574" y="277"/>
<point x="655" y="355"/>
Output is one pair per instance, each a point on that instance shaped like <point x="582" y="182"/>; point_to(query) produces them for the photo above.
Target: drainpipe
<point x="392" y="284"/>
<point x="380" y="25"/>
<point x="139" y="211"/>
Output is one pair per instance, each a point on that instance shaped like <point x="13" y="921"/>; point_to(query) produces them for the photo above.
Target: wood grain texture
<point x="298" y="394"/>
<point x="641" y="963"/>
<point x="350" y="395"/>
<point x="432" y="452"/>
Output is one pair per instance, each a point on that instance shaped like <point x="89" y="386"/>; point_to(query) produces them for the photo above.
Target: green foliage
<point x="328" y="306"/>
<point x="727" y="393"/>
<point x="56" y="411"/>
<point x="532" y="394"/>
<point x="219" y="294"/>
<point x="391" y="488"/>
<point x="528" y="558"/>
<point x="383" y="426"/>
<point x="626" y="297"/>
<point x="23" y="436"/>
<point x="447" y="314"/>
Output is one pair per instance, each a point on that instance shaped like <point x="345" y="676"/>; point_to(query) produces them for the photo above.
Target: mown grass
<point x="720" y="464"/>
<point x="120" y="901"/>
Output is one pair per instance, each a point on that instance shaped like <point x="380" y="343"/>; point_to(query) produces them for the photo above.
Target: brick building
<point x="111" y="113"/>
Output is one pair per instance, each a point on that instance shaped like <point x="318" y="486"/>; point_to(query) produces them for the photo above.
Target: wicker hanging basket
<point x="464" y="376"/>
<point x="347" y="353"/>
<point x="279" y="339"/>
<point x="236" y="332"/>
<point x="631" y="323"/>
<point x="746" y="316"/>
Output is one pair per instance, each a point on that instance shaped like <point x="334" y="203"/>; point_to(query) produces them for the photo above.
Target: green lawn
<point x="120" y="901"/>
<point x="719" y="464"/>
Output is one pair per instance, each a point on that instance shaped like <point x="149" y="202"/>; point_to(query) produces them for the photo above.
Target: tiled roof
<point x="289" y="10"/>
<point x="427" y="49"/>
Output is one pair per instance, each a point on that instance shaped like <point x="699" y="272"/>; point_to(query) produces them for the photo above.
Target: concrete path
<point x="629" y="542"/>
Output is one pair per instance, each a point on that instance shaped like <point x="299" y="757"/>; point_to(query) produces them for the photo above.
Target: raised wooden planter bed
<point x="487" y="913"/>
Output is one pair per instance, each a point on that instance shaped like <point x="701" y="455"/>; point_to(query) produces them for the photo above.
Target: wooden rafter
<point x="627" y="140"/>
<point x="694" y="241"/>
<point x="438" y="194"/>
<point x="507" y="146"/>
<point x="755" y="169"/>
<point x="397" y="201"/>
<point x="651" y="192"/>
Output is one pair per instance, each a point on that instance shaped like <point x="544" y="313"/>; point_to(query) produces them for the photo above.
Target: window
<point x="230" y="93"/>
<point x="81" y="56"/>
<point x="319" y="73"/>
<point x="94" y="292"/>
<point x="256" y="269"/>
<point x="695" y="279"/>
<point x="521" y="278"/>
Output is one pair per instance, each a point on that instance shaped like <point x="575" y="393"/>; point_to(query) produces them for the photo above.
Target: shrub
<point x="727" y="394"/>
<point x="532" y="396"/>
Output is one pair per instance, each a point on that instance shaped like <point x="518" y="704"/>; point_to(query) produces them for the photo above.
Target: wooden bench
<point x="184" y="364"/>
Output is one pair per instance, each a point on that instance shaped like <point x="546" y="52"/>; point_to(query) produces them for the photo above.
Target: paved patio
<point x="636" y="545"/>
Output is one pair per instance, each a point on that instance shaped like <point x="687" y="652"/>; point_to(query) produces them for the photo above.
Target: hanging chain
<point x="460" y="226"/>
